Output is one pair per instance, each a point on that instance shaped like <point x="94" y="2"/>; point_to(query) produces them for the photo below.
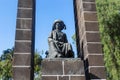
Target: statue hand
<point x="58" y="42"/>
<point x="61" y="42"/>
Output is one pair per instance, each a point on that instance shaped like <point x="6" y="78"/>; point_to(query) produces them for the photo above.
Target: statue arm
<point x="50" y="37"/>
<point x="52" y="40"/>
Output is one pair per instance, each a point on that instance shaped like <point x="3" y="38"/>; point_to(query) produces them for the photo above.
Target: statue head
<point x="58" y="23"/>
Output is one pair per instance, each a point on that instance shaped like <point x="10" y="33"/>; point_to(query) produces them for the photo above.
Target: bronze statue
<point x="58" y="43"/>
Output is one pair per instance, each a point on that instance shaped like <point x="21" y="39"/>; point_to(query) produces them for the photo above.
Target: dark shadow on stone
<point x="82" y="52"/>
<point x="86" y="64"/>
<point x="87" y="74"/>
<point x="77" y="31"/>
<point x="93" y="76"/>
<point x="70" y="55"/>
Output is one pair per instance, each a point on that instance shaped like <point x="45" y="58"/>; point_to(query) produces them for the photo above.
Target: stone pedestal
<point x="63" y="69"/>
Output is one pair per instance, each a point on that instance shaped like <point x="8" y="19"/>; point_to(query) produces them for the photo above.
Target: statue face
<point x="59" y="26"/>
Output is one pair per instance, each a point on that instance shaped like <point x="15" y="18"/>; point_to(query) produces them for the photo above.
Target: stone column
<point x="90" y="44"/>
<point x="23" y="58"/>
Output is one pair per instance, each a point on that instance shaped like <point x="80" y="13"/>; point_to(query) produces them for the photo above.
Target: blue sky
<point x="7" y="23"/>
<point x="46" y="12"/>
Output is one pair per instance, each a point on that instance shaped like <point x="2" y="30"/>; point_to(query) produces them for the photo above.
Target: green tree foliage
<point x="6" y="64"/>
<point x="74" y="39"/>
<point x="37" y="65"/>
<point x="109" y="24"/>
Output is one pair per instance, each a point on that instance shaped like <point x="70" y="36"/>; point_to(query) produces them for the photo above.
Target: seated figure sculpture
<point x="58" y="43"/>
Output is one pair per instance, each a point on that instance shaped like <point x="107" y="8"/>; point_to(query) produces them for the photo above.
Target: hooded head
<point x="61" y="24"/>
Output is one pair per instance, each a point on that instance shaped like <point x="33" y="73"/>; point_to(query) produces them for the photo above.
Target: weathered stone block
<point x="85" y="51"/>
<point x="21" y="73"/>
<point x="22" y="59"/>
<point x="89" y="7"/>
<point x="52" y="67"/>
<point x="25" y="3"/>
<point x="82" y="32"/>
<point x="94" y="48"/>
<point x="24" y="13"/>
<point x="97" y="73"/>
<point x="78" y="3"/>
<point x="22" y="47"/>
<point x="93" y="37"/>
<point x="90" y="16"/>
<point x="73" y="67"/>
<point x="96" y="60"/>
<point x="24" y="24"/>
<point x="23" y="35"/>
<point x="64" y="78"/>
<point x="91" y="48"/>
<point x="78" y="78"/>
<point x="91" y="26"/>
<point x="49" y="77"/>
<point x="83" y="40"/>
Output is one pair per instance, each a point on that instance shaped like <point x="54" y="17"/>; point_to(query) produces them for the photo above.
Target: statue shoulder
<point x="52" y="32"/>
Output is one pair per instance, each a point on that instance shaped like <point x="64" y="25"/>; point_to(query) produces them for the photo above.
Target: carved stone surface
<point x="25" y="3"/>
<point x="21" y="73"/>
<point x="97" y="72"/>
<point x="20" y="49"/>
<point x="22" y="59"/>
<point x="23" y="35"/>
<point x="64" y="78"/>
<point x="73" y="67"/>
<point x="24" y="24"/>
<point x="63" y="69"/>
<point x="49" y="77"/>
<point x="51" y="67"/>
<point x="24" y="13"/>
<point x="78" y="78"/>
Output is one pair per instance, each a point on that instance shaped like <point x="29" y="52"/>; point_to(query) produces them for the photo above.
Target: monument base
<point x="63" y="69"/>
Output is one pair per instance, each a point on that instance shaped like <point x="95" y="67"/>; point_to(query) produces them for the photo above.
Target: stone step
<point x="63" y="69"/>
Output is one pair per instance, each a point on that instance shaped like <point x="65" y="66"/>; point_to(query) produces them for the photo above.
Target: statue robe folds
<point x="59" y="46"/>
